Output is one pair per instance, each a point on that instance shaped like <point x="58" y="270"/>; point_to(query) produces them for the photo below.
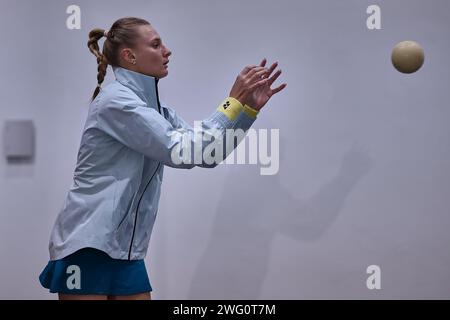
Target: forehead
<point x="148" y="32"/>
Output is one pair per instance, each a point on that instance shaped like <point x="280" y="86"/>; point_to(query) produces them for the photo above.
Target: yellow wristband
<point x="250" y="111"/>
<point x="231" y="107"/>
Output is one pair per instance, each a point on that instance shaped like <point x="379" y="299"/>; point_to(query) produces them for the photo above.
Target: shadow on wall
<point x="252" y="211"/>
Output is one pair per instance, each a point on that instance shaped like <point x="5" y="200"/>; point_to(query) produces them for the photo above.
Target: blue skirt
<point x="92" y="271"/>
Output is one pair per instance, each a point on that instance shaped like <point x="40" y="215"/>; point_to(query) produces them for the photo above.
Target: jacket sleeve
<point x="172" y="141"/>
<point x="178" y="122"/>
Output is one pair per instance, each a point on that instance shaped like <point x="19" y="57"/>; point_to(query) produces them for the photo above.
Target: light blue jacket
<point x="128" y="137"/>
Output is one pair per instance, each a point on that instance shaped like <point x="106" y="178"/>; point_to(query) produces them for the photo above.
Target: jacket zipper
<point x="157" y="168"/>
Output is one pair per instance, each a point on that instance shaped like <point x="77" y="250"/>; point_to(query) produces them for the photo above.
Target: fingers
<point x="263" y="62"/>
<point x="279" y="88"/>
<point x="272" y="67"/>
<point x="272" y="80"/>
<point x="257" y="84"/>
<point x="254" y="71"/>
<point x="247" y="69"/>
<point x="258" y="75"/>
<point x="274" y="77"/>
<point x="250" y="67"/>
<point x="261" y="76"/>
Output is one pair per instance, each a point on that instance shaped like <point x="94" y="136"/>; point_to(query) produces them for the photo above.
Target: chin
<point x="163" y="75"/>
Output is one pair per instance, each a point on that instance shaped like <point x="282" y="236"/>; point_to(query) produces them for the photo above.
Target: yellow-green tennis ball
<point x="407" y="56"/>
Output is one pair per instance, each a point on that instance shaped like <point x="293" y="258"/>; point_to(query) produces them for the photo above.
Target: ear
<point x="127" y="55"/>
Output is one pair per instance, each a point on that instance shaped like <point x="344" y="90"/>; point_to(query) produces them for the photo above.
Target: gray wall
<point x="364" y="150"/>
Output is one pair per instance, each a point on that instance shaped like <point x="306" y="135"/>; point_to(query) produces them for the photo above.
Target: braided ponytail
<point x="123" y="33"/>
<point x="102" y="62"/>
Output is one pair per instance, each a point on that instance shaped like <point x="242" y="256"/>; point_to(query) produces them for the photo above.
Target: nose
<point x="168" y="52"/>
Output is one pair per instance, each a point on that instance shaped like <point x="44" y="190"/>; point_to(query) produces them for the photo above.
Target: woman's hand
<point x="250" y="78"/>
<point x="262" y="93"/>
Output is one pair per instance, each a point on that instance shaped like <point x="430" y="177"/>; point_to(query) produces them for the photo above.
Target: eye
<point x="155" y="45"/>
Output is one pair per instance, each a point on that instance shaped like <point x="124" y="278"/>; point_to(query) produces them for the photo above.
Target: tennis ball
<point x="407" y="56"/>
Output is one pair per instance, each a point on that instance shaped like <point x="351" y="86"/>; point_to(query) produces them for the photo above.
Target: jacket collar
<point x="144" y="86"/>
